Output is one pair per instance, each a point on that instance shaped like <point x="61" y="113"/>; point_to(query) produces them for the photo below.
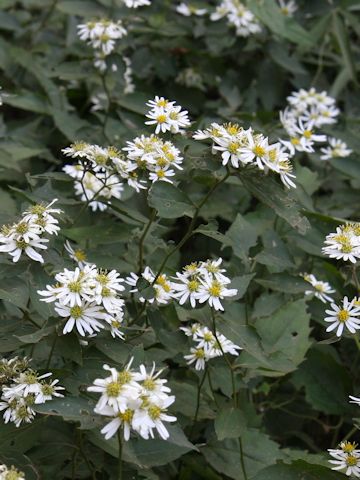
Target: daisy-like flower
<point x="48" y="391"/>
<point x="212" y="291"/>
<point x="288" y="8"/>
<point x="153" y="417"/>
<point x="84" y="317"/>
<point x="238" y="15"/>
<point x="152" y="386"/>
<point x="197" y="356"/>
<point x="11" y="473"/>
<point x="336" y="149"/>
<point x="321" y="289"/>
<point x="343" y="316"/>
<point x="78" y="255"/>
<point x="343" y="244"/>
<point x="167" y="116"/>
<point x="349" y="462"/>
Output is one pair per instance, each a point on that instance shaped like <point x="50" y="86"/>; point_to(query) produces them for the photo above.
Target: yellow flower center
<point x="21" y="244"/>
<point x="259" y="151"/>
<point x="149" y="384"/>
<point x="80" y="255"/>
<point x="307" y="134"/>
<point x="215" y="289"/>
<point x="208" y="336"/>
<point x="348" y="447"/>
<point x="113" y="389"/>
<point x="200" y="353"/>
<point x="161" y="118"/>
<point x="124" y="377"/>
<point x="193" y="285"/>
<point x="294" y="141"/>
<point x="343" y="315"/>
<point x="22" y="228"/>
<point x="154" y="412"/>
<point x="76" y="312"/>
<point x="160" y="173"/>
<point x="233" y="146"/>
<point x="126" y="416"/>
<point x="351" y="461"/>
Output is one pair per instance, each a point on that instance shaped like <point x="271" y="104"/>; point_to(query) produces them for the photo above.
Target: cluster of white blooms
<point x="245" y="147"/>
<point x="128" y="78"/>
<point x="162" y="286"/>
<point x="190" y="78"/>
<point x="238" y="16"/>
<point x="187" y="10"/>
<point x="343" y="316"/>
<point x="150" y="155"/>
<point x="347" y="457"/>
<point x="88" y="298"/>
<point x="136" y="3"/>
<point x="344" y="244"/>
<point x="167" y="116"/>
<point x="26" y="236"/>
<point x="10" y="473"/>
<point x="102" y="36"/>
<point x="203" y="282"/>
<point x="208" y="345"/>
<point x="22" y="388"/>
<point x="198" y="282"/>
<point x="134" y="401"/>
<point x="288" y="8"/>
<point x="336" y="149"/>
<point x="94" y="173"/>
<point x="309" y="110"/>
<point x="320" y="290"/>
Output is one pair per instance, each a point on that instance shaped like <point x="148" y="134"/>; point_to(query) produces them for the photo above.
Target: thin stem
<point x="120" y="465"/>
<point x="198" y="401"/>
<point x="242" y="462"/>
<point x="51" y="351"/>
<point x="142" y="239"/>
<point x="191" y="226"/>
<point x="225" y="358"/>
<point x="212" y="389"/>
<point x="357" y="341"/>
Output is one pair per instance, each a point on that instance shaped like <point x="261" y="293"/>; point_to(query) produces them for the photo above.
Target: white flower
<point x="78" y="255"/>
<point x="288" y="8"/>
<point x="336" y="149"/>
<point x="188" y="10"/>
<point x="213" y="291"/>
<point x="350" y="462"/>
<point x="151" y="386"/>
<point x="48" y="391"/>
<point x="343" y="316"/>
<point x="102" y="35"/>
<point x="238" y="16"/>
<point x="197" y="355"/>
<point x="153" y="417"/>
<point x="84" y="317"/>
<point x="137" y="3"/>
<point x="344" y="244"/>
<point x="16" y="247"/>
<point x="167" y="116"/>
<point x="321" y="289"/>
<point x="10" y="473"/>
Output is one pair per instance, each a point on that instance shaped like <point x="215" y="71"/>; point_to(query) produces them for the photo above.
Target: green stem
<point x="120" y="465"/>
<point x="192" y="224"/>
<point x="51" y="351"/>
<point x="225" y="358"/>
<point x="142" y="239"/>
<point x="357" y="341"/>
<point x="212" y="388"/>
<point x="201" y="383"/>
<point x="242" y="462"/>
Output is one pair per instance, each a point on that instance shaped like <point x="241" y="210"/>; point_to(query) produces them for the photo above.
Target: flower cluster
<point x="238" y="16"/>
<point x="167" y="116"/>
<point x="344" y="244"/>
<point x="27" y="235"/>
<point x="88" y="298"/>
<point x="152" y="156"/>
<point x="94" y="173"/>
<point x="245" y="147"/>
<point x="309" y="110"/>
<point x="22" y="388"/>
<point x="346" y="457"/>
<point x="336" y="149"/>
<point x="203" y="282"/>
<point x="320" y="289"/>
<point x="134" y="401"/>
<point x="208" y="345"/>
<point x="344" y="316"/>
<point x="10" y="473"/>
<point x="162" y="286"/>
<point x="102" y="37"/>
<point x="198" y="282"/>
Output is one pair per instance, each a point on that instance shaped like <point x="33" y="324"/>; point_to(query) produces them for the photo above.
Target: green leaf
<point x="229" y="423"/>
<point x="258" y="452"/>
<point x="270" y="14"/>
<point x="15" y="291"/>
<point x="298" y="470"/>
<point x="169" y="201"/>
<point x="241" y="236"/>
<point x="269" y="192"/>
<point x="342" y="36"/>
<point x="327" y="384"/>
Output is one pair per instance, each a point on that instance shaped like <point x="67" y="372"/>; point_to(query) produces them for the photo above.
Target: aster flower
<point x="321" y="289"/>
<point x="343" y="316"/>
<point x="336" y="149"/>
